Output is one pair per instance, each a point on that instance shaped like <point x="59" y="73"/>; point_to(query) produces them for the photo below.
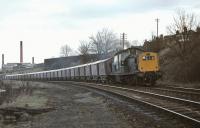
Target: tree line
<point x="103" y="42"/>
<point x="182" y="38"/>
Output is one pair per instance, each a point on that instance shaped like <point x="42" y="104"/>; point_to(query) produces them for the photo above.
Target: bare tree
<point x="65" y="50"/>
<point x="84" y="48"/>
<point x="184" y="46"/>
<point x="104" y="41"/>
<point x="181" y="21"/>
<point x="182" y="30"/>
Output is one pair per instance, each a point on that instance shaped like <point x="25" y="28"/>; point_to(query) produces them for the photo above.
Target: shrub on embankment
<point x="180" y="50"/>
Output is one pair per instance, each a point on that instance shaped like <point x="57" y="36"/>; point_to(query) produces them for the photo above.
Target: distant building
<point x="9" y="66"/>
<point x="16" y="66"/>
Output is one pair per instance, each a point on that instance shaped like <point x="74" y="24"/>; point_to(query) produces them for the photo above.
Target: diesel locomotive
<point x="132" y="66"/>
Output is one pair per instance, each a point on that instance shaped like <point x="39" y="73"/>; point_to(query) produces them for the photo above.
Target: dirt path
<point x="74" y="108"/>
<point x="51" y="105"/>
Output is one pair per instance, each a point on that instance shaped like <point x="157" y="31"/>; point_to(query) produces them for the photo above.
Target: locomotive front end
<point x="148" y="66"/>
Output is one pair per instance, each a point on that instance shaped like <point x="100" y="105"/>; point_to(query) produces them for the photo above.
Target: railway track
<point x="194" y="90"/>
<point x="182" y="108"/>
<point x="183" y="93"/>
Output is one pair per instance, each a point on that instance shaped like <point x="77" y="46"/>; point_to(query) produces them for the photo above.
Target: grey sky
<point x="46" y="25"/>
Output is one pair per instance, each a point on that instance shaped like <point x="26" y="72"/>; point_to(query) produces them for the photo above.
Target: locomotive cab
<point x="125" y="61"/>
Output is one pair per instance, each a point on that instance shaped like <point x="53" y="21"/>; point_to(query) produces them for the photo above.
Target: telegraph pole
<point x="157" y="21"/>
<point x="123" y="39"/>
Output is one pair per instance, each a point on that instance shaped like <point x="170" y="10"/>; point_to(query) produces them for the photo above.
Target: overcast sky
<point x="45" y="25"/>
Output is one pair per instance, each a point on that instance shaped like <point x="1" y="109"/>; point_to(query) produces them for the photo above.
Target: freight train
<point x="132" y="66"/>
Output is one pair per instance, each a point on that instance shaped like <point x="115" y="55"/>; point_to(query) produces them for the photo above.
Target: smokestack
<point x="21" y="52"/>
<point x="2" y="60"/>
<point x="33" y="60"/>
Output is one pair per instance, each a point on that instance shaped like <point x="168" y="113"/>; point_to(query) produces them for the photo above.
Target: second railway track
<point x="182" y="108"/>
<point x="173" y="92"/>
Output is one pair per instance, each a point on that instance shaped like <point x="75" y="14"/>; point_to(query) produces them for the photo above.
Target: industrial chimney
<point x="2" y="61"/>
<point x="33" y="60"/>
<point x="21" y="52"/>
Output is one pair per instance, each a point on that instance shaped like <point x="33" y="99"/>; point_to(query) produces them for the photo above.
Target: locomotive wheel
<point x="129" y="80"/>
